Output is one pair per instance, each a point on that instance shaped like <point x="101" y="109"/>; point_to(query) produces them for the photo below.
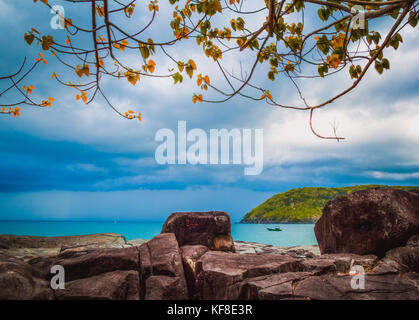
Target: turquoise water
<point x="292" y="234"/>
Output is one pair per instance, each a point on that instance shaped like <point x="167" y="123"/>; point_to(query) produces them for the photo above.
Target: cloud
<point x="93" y="163"/>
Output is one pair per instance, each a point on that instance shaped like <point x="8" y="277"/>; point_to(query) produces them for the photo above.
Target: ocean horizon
<point x="291" y="234"/>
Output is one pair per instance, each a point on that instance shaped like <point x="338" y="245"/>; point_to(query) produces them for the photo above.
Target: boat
<point x="274" y="229"/>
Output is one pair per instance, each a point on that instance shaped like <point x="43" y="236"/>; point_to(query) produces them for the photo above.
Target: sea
<point x="291" y="234"/>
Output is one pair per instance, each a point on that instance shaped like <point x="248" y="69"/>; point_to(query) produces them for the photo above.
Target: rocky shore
<point x="195" y="257"/>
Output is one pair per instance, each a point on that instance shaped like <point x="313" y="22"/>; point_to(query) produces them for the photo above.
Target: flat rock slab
<point x="218" y="273"/>
<point x="117" y="285"/>
<point x="271" y="287"/>
<point x="10" y="241"/>
<point x="377" y="287"/>
<point x="100" y="261"/>
<point x="260" y="248"/>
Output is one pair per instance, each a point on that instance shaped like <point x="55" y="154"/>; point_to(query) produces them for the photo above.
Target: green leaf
<point x="413" y="19"/>
<point x="177" y="77"/>
<point x="145" y="52"/>
<point x="379" y="67"/>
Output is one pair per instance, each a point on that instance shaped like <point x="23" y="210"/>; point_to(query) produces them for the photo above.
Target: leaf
<point x="192" y="64"/>
<point x="47" y="42"/>
<point x="189" y="70"/>
<point x="29" y="37"/>
<point x="145" y="52"/>
<point x="80" y="70"/>
<point x="177" y="77"/>
<point x="132" y="77"/>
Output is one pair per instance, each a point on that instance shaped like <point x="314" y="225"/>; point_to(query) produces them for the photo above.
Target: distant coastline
<point x="303" y="205"/>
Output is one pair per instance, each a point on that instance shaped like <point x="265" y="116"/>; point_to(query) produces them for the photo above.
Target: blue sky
<point x="82" y="162"/>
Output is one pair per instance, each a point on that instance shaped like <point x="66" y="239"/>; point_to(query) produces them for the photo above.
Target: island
<point x="302" y="205"/>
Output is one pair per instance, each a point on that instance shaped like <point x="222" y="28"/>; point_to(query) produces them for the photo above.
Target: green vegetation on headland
<point x="301" y="205"/>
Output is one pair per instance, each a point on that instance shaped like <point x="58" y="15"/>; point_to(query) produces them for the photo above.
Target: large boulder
<point x="221" y="275"/>
<point x="211" y="229"/>
<point x="20" y="281"/>
<point x="161" y="256"/>
<point x="370" y="221"/>
<point x="117" y="285"/>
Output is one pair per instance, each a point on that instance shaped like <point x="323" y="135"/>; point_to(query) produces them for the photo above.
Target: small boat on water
<point x="274" y="229"/>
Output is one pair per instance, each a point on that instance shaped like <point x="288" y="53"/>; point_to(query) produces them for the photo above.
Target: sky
<point x="84" y="162"/>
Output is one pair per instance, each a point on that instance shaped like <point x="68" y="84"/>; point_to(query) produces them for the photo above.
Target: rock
<point x="43" y="265"/>
<point x="220" y="275"/>
<point x="271" y="287"/>
<point x="161" y="256"/>
<point x="76" y="250"/>
<point x="315" y="288"/>
<point x="137" y="242"/>
<point x="117" y="285"/>
<point x="211" y="229"/>
<point x="20" y="281"/>
<point x="164" y="288"/>
<point x="368" y="221"/>
<point x="98" y="262"/>
<point x="413" y="241"/>
<point x="319" y="266"/>
<point x="344" y="261"/>
<point x="407" y="257"/>
<point x="190" y="255"/>
<point x="309" y="251"/>
<point x="4" y="243"/>
<point x="58" y="242"/>
<point x="335" y="287"/>
<point x="27" y="254"/>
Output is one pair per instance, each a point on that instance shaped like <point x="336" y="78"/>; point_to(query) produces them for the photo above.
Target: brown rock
<point x="368" y="221"/>
<point x="219" y="273"/>
<point x="272" y="287"/>
<point x="190" y="255"/>
<point x="117" y="285"/>
<point x="211" y="229"/>
<point x="19" y="281"/>
<point x="407" y="257"/>
<point x="57" y="242"/>
<point x="76" y="250"/>
<point x="161" y="256"/>
<point x="344" y="261"/>
<point x="99" y="261"/>
<point x="164" y="288"/>
<point x="224" y="242"/>
<point x="336" y="287"/>
<point x="413" y="241"/>
<point x="319" y="266"/>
